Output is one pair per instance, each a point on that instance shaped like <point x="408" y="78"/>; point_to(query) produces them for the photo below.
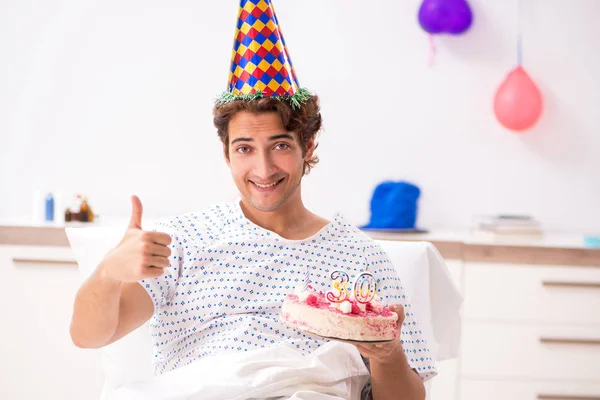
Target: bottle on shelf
<point x="68" y="215"/>
<point x="85" y="211"/>
<point x="49" y="202"/>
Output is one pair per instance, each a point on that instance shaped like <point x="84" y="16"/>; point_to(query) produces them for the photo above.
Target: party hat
<point x="261" y="65"/>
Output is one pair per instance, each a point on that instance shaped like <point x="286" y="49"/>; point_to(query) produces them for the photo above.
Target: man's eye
<point x="282" y="146"/>
<point x="242" y="149"/>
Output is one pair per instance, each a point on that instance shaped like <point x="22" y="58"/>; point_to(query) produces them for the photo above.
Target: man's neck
<point x="292" y="221"/>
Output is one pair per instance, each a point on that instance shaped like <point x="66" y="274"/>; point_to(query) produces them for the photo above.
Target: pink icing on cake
<point x="314" y="313"/>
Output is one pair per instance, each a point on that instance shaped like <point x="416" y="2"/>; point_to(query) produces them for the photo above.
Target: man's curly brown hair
<point x="304" y="122"/>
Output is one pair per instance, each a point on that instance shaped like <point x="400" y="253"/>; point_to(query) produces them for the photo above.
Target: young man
<point x="213" y="282"/>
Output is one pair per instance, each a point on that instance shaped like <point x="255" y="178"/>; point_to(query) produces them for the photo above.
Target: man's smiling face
<point x="266" y="162"/>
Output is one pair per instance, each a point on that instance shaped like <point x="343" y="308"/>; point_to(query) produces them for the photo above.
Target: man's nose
<point x="265" y="167"/>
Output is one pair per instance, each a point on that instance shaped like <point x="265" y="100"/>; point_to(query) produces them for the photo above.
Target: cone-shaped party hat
<point x="261" y="65"/>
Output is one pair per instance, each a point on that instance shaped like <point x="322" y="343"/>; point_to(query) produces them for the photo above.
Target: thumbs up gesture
<point x="135" y="222"/>
<point x="140" y="254"/>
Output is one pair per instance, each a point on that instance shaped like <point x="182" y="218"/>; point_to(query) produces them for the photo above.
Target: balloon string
<point x="431" y="50"/>
<point x="519" y="34"/>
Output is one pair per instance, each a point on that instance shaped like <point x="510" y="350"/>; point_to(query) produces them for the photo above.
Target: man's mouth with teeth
<point x="268" y="185"/>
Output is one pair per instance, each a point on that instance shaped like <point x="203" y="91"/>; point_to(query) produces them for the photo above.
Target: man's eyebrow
<point x="271" y="138"/>
<point x="281" y="136"/>
<point x="242" y="139"/>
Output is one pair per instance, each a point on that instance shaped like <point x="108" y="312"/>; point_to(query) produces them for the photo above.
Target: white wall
<point x="111" y="98"/>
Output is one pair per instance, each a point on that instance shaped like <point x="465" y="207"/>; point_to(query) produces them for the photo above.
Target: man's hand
<point x="391" y="376"/>
<point x="139" y="255"/>
<point x="385" y="353"/>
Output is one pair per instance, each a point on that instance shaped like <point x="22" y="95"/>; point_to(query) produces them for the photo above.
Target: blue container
<point x="591" y="241"/>
<point x="49" y="207"/>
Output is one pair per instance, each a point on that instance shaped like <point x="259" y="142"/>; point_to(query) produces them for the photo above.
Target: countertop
<point x="551" y="248"/>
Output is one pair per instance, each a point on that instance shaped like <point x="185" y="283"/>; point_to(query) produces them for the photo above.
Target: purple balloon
<point x="445" y="16"/>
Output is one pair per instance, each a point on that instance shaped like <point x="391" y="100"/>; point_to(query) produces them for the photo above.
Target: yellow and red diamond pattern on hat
<point x="260" y="60"/>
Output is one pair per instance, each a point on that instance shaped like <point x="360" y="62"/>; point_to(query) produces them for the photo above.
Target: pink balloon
<point x="518" y="103"/>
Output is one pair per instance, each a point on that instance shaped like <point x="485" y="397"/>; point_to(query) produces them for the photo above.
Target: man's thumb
<point x="136" y="213"/>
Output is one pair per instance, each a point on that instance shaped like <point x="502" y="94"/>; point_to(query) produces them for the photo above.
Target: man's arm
<point x="111" y="303"/>
<point x="394" y="380"/>
<point x="105" y="311"/>
<point x="391" y="375"/>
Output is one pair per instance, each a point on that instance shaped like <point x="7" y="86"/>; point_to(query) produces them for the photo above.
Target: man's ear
<point x="226" y="156"/>
<point x="310" y="149"/>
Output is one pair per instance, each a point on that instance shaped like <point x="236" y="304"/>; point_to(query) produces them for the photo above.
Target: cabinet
<point x="39" y="360"/>
<point x="445" y="385"/>
<point x="530" y="332"/>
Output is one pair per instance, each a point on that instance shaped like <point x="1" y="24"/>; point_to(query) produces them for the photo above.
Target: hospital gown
<point x="228" y="277"/>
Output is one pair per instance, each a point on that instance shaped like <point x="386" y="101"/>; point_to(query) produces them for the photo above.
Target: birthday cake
<point x="340" y="314"/>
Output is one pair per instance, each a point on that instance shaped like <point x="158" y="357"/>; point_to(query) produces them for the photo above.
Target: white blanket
<point x="335" y="371"/>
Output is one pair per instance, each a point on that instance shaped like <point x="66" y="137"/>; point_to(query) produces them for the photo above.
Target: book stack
<point x="499" y="226"/>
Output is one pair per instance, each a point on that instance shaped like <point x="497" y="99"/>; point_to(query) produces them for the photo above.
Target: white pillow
<point x="129" y="359"/>
<point x="434" y="295"/>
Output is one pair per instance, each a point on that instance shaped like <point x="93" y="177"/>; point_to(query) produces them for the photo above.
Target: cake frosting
<point x="349" y="319"/>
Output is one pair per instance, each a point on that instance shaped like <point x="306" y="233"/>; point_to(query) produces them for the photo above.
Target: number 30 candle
<point x="364" y="287"/>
